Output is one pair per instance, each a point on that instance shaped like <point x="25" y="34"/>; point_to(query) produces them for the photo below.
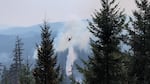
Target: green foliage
<point x="4" y="76"/>
<point x="26" y="76"/>
<point x="140" y="43"/>
<point x="18" y="73"/>
<point x="15" y="68"/>
<point x="46" y="70"/>
<point x="105" y="64"/>
<point x="73" y="80"/>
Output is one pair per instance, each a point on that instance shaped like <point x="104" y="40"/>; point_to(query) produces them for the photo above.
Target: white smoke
<point x="70" y="61"/>
<point x="74" y="34"/>
<point x="35" y="54"/>
<point x="75" y="30"/>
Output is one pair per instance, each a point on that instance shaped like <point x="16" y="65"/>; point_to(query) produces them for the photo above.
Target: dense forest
<point x="107" y="64"/>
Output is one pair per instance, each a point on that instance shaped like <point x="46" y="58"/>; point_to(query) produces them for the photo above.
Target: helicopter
<point x="69" y="39"/>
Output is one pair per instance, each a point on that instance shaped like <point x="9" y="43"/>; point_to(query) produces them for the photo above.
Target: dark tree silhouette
<point x="104" y="66"/>
<point x="46" y="70"/>
<point x="140" y="43"/>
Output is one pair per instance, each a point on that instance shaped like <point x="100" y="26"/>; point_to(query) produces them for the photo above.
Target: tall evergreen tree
<point x="16" y="66"/>
<point x="18" y="53"/>
<point x="104" y="66"/>
<point x="46" y="70"/>
<point x="13" y="74"/>
<point x="140" y="43"/>
<point x="18" y="73"/>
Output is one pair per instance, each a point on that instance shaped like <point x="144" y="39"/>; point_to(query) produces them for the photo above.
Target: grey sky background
<point x="30" y="12"/>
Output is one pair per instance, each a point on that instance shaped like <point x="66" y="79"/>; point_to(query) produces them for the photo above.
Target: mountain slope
<point x="31" y="36"/>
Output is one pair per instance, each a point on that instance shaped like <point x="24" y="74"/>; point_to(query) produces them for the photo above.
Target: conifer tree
<point x="26" y="76"/>
<point x="16" y="66"/>
<point x="4" y="76"/>
<point x="18" y="53"/>
<point x="104" y="65"/>
<point x="140" y="43"/>
<point x="13" y="74"/>
<point x="46" y="70"/>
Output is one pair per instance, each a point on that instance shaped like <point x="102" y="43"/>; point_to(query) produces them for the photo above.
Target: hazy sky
<point x="30" y="12"/>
